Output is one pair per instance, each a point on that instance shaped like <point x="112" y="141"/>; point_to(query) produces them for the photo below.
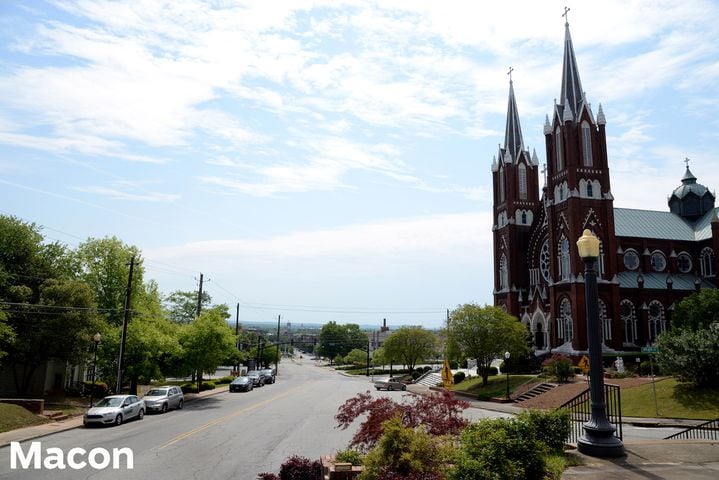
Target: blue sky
<point x="329" y="160"/>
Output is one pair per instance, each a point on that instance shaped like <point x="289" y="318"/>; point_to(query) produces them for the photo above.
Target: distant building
<point x="649" y="260"/>
<point x="377" y="338"/>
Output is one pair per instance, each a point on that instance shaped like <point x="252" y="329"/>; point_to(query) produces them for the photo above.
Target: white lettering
<point x="92" y="458"/>
<point x="71" y="458"/>
<point x="129" y="458"/>
<point x="16" y="454"/>
<point x="54" y="459"/>
<point x="77" y="458"/>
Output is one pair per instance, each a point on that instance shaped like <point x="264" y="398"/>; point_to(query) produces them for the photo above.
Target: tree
<point x="485" y="333"/>
<point x="692" y="356"/>
<point x="182" y="306"/>
<point x="337" y="340"/>
<point x="105" y="265"/>
<point x="410" y="345"/>
<point x="356" y="357"/>
<point x="206" y="342"/>
<point x="439" y="412"/>
<point x="697" y="311"/>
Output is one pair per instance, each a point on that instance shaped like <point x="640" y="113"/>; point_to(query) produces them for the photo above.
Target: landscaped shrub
<point x="552" y="427"/>
<point x="207" y="386"/>
<point x="349" y="456"/>
<point x="224" y="380"/>
<point x="493" y="371"/>
<point x="500" y="449"/>
<point x="416" y="374"/>
<point x="189" y="388"/>
<point x="559" y="366"/>
<point x="645" y="368"/>
<point x="100" y="390"/>
<point x="296" y="468"/>
<point x="458" y="377"/>
<point x="407" y="453"/>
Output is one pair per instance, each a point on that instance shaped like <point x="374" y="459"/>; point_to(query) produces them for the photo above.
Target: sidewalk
<point x="37" y="431"/>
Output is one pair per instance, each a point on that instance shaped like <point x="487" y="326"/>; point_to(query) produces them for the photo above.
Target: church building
<point x="649" y="260"/>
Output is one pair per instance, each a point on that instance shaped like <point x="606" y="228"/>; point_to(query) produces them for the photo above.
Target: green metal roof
<point x="661" y="225"/>
<point x="658" y="281"/>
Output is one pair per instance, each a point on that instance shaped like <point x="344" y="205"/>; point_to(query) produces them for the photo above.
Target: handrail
<point x="705" y="431"/>
<point x="580" y="411"/>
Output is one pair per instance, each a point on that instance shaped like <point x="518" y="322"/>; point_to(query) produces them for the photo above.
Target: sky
<point x="330" y="160"/>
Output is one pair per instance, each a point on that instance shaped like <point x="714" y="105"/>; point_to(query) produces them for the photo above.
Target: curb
<point x="74" y="422"/>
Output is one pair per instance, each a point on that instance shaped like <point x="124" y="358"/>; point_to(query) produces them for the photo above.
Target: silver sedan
<point x="114" y="410"/>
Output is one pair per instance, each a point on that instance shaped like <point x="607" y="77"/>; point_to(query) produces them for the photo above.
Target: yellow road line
<point x="207" y="425"/>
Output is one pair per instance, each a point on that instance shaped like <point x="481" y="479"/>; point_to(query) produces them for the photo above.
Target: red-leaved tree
<point x="440" y="413"/>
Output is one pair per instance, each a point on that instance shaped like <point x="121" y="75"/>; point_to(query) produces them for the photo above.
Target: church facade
<point x="649" y="260"/>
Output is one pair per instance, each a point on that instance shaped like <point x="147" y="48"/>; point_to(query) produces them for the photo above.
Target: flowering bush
<point x="439" y="412"/>
<point x="559" y="366"/>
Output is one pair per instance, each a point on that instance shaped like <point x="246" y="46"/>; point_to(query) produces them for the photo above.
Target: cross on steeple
<point x="686" y="160"/>
<point x="566" y="17"/>
<point x="544" y="172"/>
<point x="510" y="73"/>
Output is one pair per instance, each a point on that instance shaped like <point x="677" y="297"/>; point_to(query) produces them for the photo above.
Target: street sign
<point x="650" y="349"/>
<point x="584" y="364"/>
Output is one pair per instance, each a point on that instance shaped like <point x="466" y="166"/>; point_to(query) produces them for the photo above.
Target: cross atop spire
<point x="510" y="74"/>
<point x="513" y="141"/>
<point x="572" y="94"/>
<point x="686" y="160"/>
<point x="566" y="15"/>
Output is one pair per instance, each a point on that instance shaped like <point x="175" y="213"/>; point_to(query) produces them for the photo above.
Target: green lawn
<point x="496" y="385"/>
<point x="14" y="416"/>
<point x="675" y="400"/>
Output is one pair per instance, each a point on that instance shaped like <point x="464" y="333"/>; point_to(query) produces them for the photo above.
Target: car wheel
<point x="164" y="408"/>
<point x="378" y="389"/>
<point x="390" y="388"/>
<point x="141" y="415"/>
<point x="404" y="387"/>
<point x="118" y="419"/>
<point x="180" y="405"/>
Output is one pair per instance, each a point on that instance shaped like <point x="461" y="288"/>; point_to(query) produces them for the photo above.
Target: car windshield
<point x="240" y="380"/>
<point x="253" y="373"/>
<point x="156" y="392"/>
<point x="110" y="402"/>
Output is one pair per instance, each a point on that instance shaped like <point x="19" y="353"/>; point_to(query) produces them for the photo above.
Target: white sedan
<point x="114" y="410"/>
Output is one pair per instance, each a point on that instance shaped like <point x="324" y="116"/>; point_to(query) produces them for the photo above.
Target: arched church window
<point x="503" y="273"/>
<point x="605" y="321"/>
<point x="522" y="169"/>
<point x="631" y="260"/>
<point x="590" y="189"/>
<point x="707" y="262"/>
<point x="544" y="260"/>
<point x="566" y="324"/>
<point x="524" y="217"/>
<point x="501" y="184"/>
<point x="564" y="264"/>
<point x="657" y="322"/>
<point x="658" y="261"/>
<point x="587" y="145"/>
<point x="559" y="150"/>
<point x="684" y="262"/>
<point x="629" y="321"/>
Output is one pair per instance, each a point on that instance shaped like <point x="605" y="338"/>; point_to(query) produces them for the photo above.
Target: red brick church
<point x="649" y="260"/>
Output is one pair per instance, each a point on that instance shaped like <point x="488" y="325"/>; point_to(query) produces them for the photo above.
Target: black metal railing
<point x="705" y="431"/>
<point x="580" y="409"/>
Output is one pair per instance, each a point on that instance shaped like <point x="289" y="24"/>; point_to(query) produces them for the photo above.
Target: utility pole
<point x="257" y="366"/>
<point x="199" y="297"/>
<point x="277" y="358"/>
<point x="126" y="319"/>
<point x="237" y="334"/>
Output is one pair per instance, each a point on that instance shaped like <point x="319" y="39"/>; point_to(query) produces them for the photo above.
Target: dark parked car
<point x="258" y="379"/>
<point x="269" y="374"/>
<point x="241" y="384"/>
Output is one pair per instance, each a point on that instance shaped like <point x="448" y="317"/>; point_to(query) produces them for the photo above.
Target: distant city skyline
<point x="330" y="161"/>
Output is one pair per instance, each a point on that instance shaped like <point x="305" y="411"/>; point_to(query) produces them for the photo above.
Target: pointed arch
<point x="629" y="321"/>
<point x="559" y="150"/>
<point x="540" y="330"/>
<point x="503" y="273"/>
<point x="522" y="174"/>
<point x="657" y="321"/>
<point x="706" y="262"/>
<point x="605" y="321"/>
<point x="565" y="324"/>
<point x="563" y="260"/>
<point x="500" y="176"/>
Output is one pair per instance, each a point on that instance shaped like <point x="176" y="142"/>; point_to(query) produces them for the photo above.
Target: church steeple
<point x="513" y="141"/>
<point x="572" y="93"/>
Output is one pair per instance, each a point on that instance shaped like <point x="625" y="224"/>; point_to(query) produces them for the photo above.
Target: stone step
<point x="56" y="416"/>
<point x="535" y="392"/>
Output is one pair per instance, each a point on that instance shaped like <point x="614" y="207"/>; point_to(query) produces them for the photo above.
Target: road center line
<point x="207" y="425"/>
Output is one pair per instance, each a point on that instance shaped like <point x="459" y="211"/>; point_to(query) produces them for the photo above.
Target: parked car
<point x="114" y="410"/>
<point x="389" y="384"/>
<point x="258" y="379"/>
<point x="161" y="399"/>
<point x="241" y="384"/>
<point x="269" y="374"/>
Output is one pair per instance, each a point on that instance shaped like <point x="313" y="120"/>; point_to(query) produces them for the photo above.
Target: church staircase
<point x="535" y="392"/>
<point x="429" y="379"/>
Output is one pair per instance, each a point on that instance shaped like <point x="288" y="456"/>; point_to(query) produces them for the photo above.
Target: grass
<point x="15" y="416"/>
<point x="675" y="400"/>
<point x="496" y="385"/>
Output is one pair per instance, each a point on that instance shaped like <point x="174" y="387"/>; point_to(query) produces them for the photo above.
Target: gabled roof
<point x="661" y="225"/>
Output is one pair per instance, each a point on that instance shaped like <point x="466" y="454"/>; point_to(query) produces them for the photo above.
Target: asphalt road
<point x="225" y="436"/>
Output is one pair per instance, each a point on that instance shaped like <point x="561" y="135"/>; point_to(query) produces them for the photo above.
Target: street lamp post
<point x="96" y="338"/>
<point x="598" y="439"/>
<point x="506" y="367"/>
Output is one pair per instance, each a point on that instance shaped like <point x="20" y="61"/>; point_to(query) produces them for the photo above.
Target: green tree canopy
<point x="697" y="311"/>
<point x="338" y="340"/>
<point x="207" y="342"/>
<point x="485" y="333"/>
<point x="182" y="306"/>
<point x="410" y="345"/>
